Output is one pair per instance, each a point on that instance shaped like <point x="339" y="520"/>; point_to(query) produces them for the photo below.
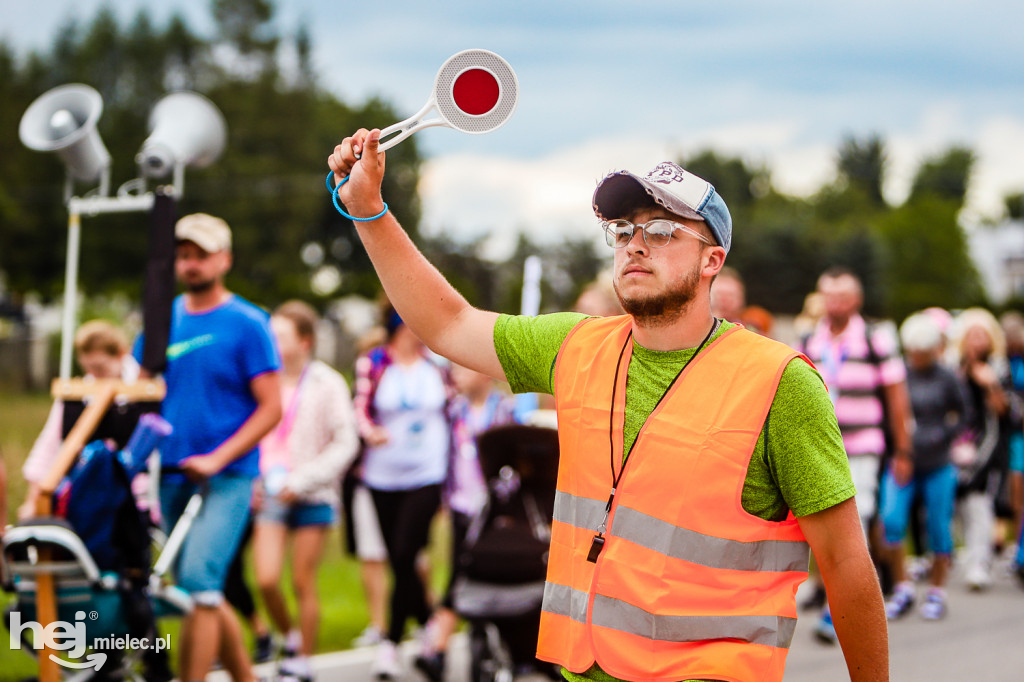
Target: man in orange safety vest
<point x="699" y="463"/>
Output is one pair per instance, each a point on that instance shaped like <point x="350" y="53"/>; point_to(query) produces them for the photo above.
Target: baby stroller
<point x="98" y="549"/>
<point x="503" y="562"/>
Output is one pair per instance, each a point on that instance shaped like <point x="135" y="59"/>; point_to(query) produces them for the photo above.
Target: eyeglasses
<point x="657" y="233"/>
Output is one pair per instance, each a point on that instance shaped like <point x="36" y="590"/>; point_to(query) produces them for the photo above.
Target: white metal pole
<point x="177" y="537"/>
<point x="532" y="270"/>
<point x="76" y="207"/>
<point x="67" y="332"/>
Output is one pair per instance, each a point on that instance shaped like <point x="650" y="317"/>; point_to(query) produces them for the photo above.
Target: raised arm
<point x="433" y="309"/>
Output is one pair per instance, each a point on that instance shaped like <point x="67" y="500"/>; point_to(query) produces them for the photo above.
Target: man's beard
<point x="664" y="308"/>
<point x="199" y="287"/>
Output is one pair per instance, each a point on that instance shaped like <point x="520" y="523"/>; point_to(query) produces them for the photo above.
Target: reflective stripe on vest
<point x="682" y="543"/>
<point x="615" y="614"/>
<point x="688" y="585"/>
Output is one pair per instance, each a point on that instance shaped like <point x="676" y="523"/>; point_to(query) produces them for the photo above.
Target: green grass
<point x="21" y="419"/>
<point x="343" y="612"/>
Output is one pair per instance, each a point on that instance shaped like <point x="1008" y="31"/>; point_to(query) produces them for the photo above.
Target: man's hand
<point x="983" y="374"/>
<point x="27" y="509"/>
<point x="258" y="494"/>
<point x="427" y="302"/>
<point x="377" y="435"/>
<point x="902" y="469"/>
<point x="287" y="496"/>
<point x="357" y="159"/>
<point x="198" y="468"/>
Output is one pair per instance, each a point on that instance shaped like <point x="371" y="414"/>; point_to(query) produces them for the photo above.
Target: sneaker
<point x="386" y="665"/>
<point x="370" y="636"/>
<point x="295" y="667"/>
<point x="825" y="631"/>
<point x="426" y="636"/>
<point x="431" y="665"/>
<point x="934" y="606"/>
<point x="919" y="568"/>
<point x="978" y="578"/>
<point x="900" y="603"/>
<point x="263" y="650"/>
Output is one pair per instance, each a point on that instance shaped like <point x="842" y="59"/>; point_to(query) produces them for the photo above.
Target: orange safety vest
<point x="688" y="584"/>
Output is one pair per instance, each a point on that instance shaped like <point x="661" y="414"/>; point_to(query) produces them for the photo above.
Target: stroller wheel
<point x="490" y="660"/>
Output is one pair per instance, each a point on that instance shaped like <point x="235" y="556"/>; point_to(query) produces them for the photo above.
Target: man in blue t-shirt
<point x="223" y="396"/>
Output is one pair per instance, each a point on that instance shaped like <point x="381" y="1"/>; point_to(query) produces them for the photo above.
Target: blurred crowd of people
<point x="386" y="457"/>
<point x="931" y="417"/>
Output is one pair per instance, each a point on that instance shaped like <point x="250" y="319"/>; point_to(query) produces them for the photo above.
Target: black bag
<point x="512" y="544"/>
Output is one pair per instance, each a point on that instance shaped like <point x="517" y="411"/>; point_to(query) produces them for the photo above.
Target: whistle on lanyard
<point x="597" y="544"/>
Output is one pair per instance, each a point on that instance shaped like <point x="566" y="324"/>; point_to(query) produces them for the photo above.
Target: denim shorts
<point x="212" y="541"/>
<point x="296" y="515"/>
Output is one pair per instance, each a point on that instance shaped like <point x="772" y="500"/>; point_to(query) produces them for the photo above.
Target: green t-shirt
<point x="798" y="463"/>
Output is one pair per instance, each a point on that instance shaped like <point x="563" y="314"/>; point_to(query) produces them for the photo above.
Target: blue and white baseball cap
<point x="676" y="189"/>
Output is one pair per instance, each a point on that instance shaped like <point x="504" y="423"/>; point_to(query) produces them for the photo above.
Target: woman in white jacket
<point x="301" y="462"/>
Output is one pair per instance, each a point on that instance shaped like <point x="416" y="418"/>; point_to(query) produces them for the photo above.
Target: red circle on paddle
<point x="476" y="91"/>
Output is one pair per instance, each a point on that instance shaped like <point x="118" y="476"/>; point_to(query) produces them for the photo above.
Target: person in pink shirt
<point x="301" y="461"/>
<point x="867" y="382"/>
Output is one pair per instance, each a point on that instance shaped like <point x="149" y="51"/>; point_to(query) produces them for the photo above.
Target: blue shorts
<point x="1017" y="451"/>
<point x="937" y="489"/>
<point x="296" y="515"/>
<point x="216" y="532"/>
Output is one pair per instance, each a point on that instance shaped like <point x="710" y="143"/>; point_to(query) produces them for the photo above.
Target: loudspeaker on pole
<point x="63" y="120"/>
<point x="187" y="130"/>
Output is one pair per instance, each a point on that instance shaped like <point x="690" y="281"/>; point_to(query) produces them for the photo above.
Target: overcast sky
<point x="607" y="85"/>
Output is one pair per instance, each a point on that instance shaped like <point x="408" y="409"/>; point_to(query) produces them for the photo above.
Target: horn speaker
<point x="63" y="120"/>
<point x="187" y="129"/>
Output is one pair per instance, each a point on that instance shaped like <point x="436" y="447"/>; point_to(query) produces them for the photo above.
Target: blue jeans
<point x="937" y="488"/>
<point x="216" y="532"/>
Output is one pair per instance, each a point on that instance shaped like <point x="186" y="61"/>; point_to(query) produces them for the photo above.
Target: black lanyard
<point x="598" y="542"/>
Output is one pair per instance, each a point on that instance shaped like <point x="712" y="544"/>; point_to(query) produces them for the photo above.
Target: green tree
<point x="928" y="259"/>
<point x="738" y="183"/>
<point x="861" y="165"/>
<point x="246" y="26"/>
<point x="945" y="176"/>
<point x="1014" y="205"/>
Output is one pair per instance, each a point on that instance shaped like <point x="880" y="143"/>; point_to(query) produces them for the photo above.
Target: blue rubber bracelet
<point x="337" y="205"/>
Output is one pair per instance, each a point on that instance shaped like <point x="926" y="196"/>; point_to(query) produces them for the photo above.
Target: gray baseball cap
<point x="677" y="190"/>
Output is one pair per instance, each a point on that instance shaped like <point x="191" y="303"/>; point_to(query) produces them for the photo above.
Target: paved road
<point x="981" y="640"/>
